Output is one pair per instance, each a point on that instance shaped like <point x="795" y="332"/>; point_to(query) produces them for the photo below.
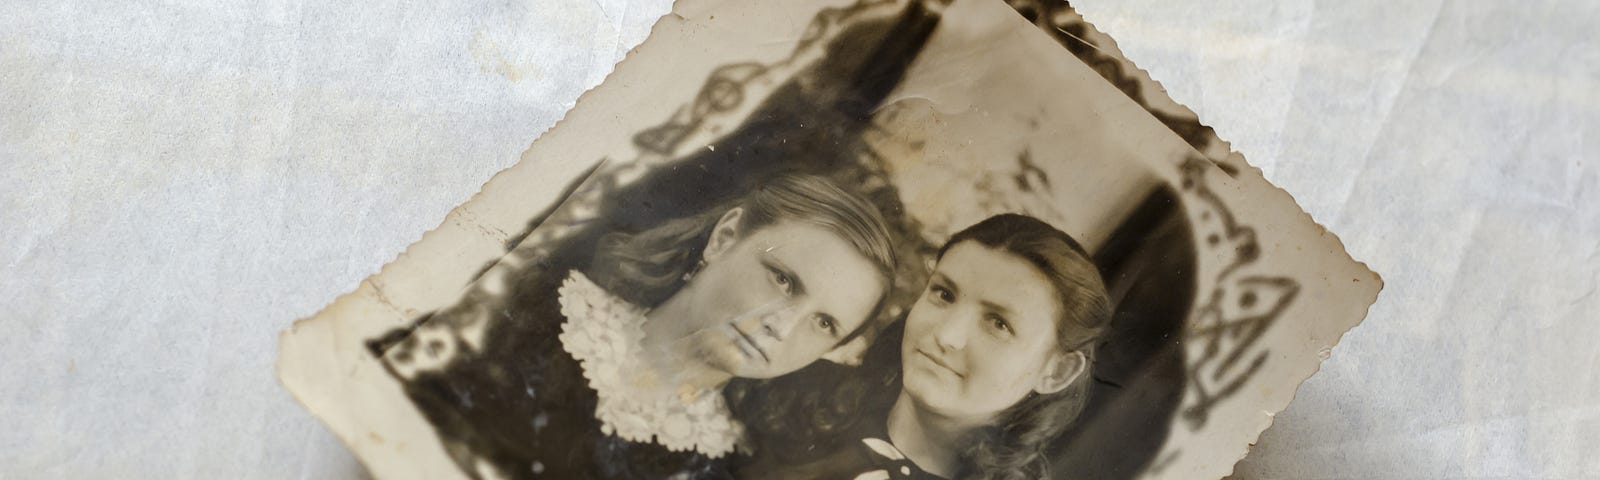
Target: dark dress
<point x="521" y="406"/>
<point x="867" y="455"/>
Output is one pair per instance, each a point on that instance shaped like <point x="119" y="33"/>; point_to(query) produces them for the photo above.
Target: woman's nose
<point x="781" y="323"/>
<point x="777" y="322"/>
<point x="951" y="333"/>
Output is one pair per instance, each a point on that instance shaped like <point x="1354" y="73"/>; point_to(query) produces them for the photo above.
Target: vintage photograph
<point x="845" y="239"/>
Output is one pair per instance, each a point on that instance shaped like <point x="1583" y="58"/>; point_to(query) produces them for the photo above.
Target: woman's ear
<point x="724" y="234"/>
<point x="1061" y="370"/>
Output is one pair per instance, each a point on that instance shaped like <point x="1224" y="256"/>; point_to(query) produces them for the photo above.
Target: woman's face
<point x="982" y="336"/>
<point x="771" y="301"/>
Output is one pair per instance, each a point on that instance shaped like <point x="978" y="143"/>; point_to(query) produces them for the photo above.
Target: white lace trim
<point x="605" y="333"/>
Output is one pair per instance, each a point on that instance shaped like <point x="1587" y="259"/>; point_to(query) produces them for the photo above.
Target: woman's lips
<point x="750" y="344"/>
<point x="937" y="361"/>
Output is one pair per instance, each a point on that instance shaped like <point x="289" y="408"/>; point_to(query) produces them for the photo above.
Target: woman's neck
<point x="670" y="349"/>
<point x="933" y="442"/>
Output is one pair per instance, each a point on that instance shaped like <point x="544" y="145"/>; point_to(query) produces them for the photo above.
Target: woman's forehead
<point x="813" y="252"/>
<point x="994" y="276"/>
<point x="789" y="233"/>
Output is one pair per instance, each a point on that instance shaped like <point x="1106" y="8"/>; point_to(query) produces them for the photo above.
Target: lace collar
<point x="604" y="334"/>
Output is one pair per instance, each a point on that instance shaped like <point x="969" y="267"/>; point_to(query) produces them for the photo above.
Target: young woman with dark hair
<point x="993" y="365"/>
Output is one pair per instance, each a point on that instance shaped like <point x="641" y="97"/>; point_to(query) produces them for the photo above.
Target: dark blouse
<point x="522" y="407"/>
<point x="866" y="455"/>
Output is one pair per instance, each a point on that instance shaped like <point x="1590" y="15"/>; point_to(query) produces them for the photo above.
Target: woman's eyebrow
<point x="945" y="280"/>
<point x="998" y="308"/>
<point x="799" y="283"/>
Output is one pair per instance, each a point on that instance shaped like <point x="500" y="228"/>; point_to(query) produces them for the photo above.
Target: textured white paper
<point x="179" y="181"/>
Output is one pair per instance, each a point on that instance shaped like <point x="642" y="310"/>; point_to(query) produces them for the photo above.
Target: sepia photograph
<point x="853" y="239"/>
<point x="799" y="240"/>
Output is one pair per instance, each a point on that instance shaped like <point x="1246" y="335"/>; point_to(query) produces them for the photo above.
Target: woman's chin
<point x="729" y="359"/>
<point x="923" y="386"/>
<point x="756" y="369"/>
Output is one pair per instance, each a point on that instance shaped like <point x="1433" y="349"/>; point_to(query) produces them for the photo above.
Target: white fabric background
<point x="180" y="180"/>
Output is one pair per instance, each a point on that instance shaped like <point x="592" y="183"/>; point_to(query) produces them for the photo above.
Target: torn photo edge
<point x="319" y="354"/>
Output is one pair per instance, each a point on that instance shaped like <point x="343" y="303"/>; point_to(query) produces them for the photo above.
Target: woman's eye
<point x="826" y="324"/>
<point x="1000" y="324"/>
<point x="941" y="294"/>
<point x="784" y="282"/>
